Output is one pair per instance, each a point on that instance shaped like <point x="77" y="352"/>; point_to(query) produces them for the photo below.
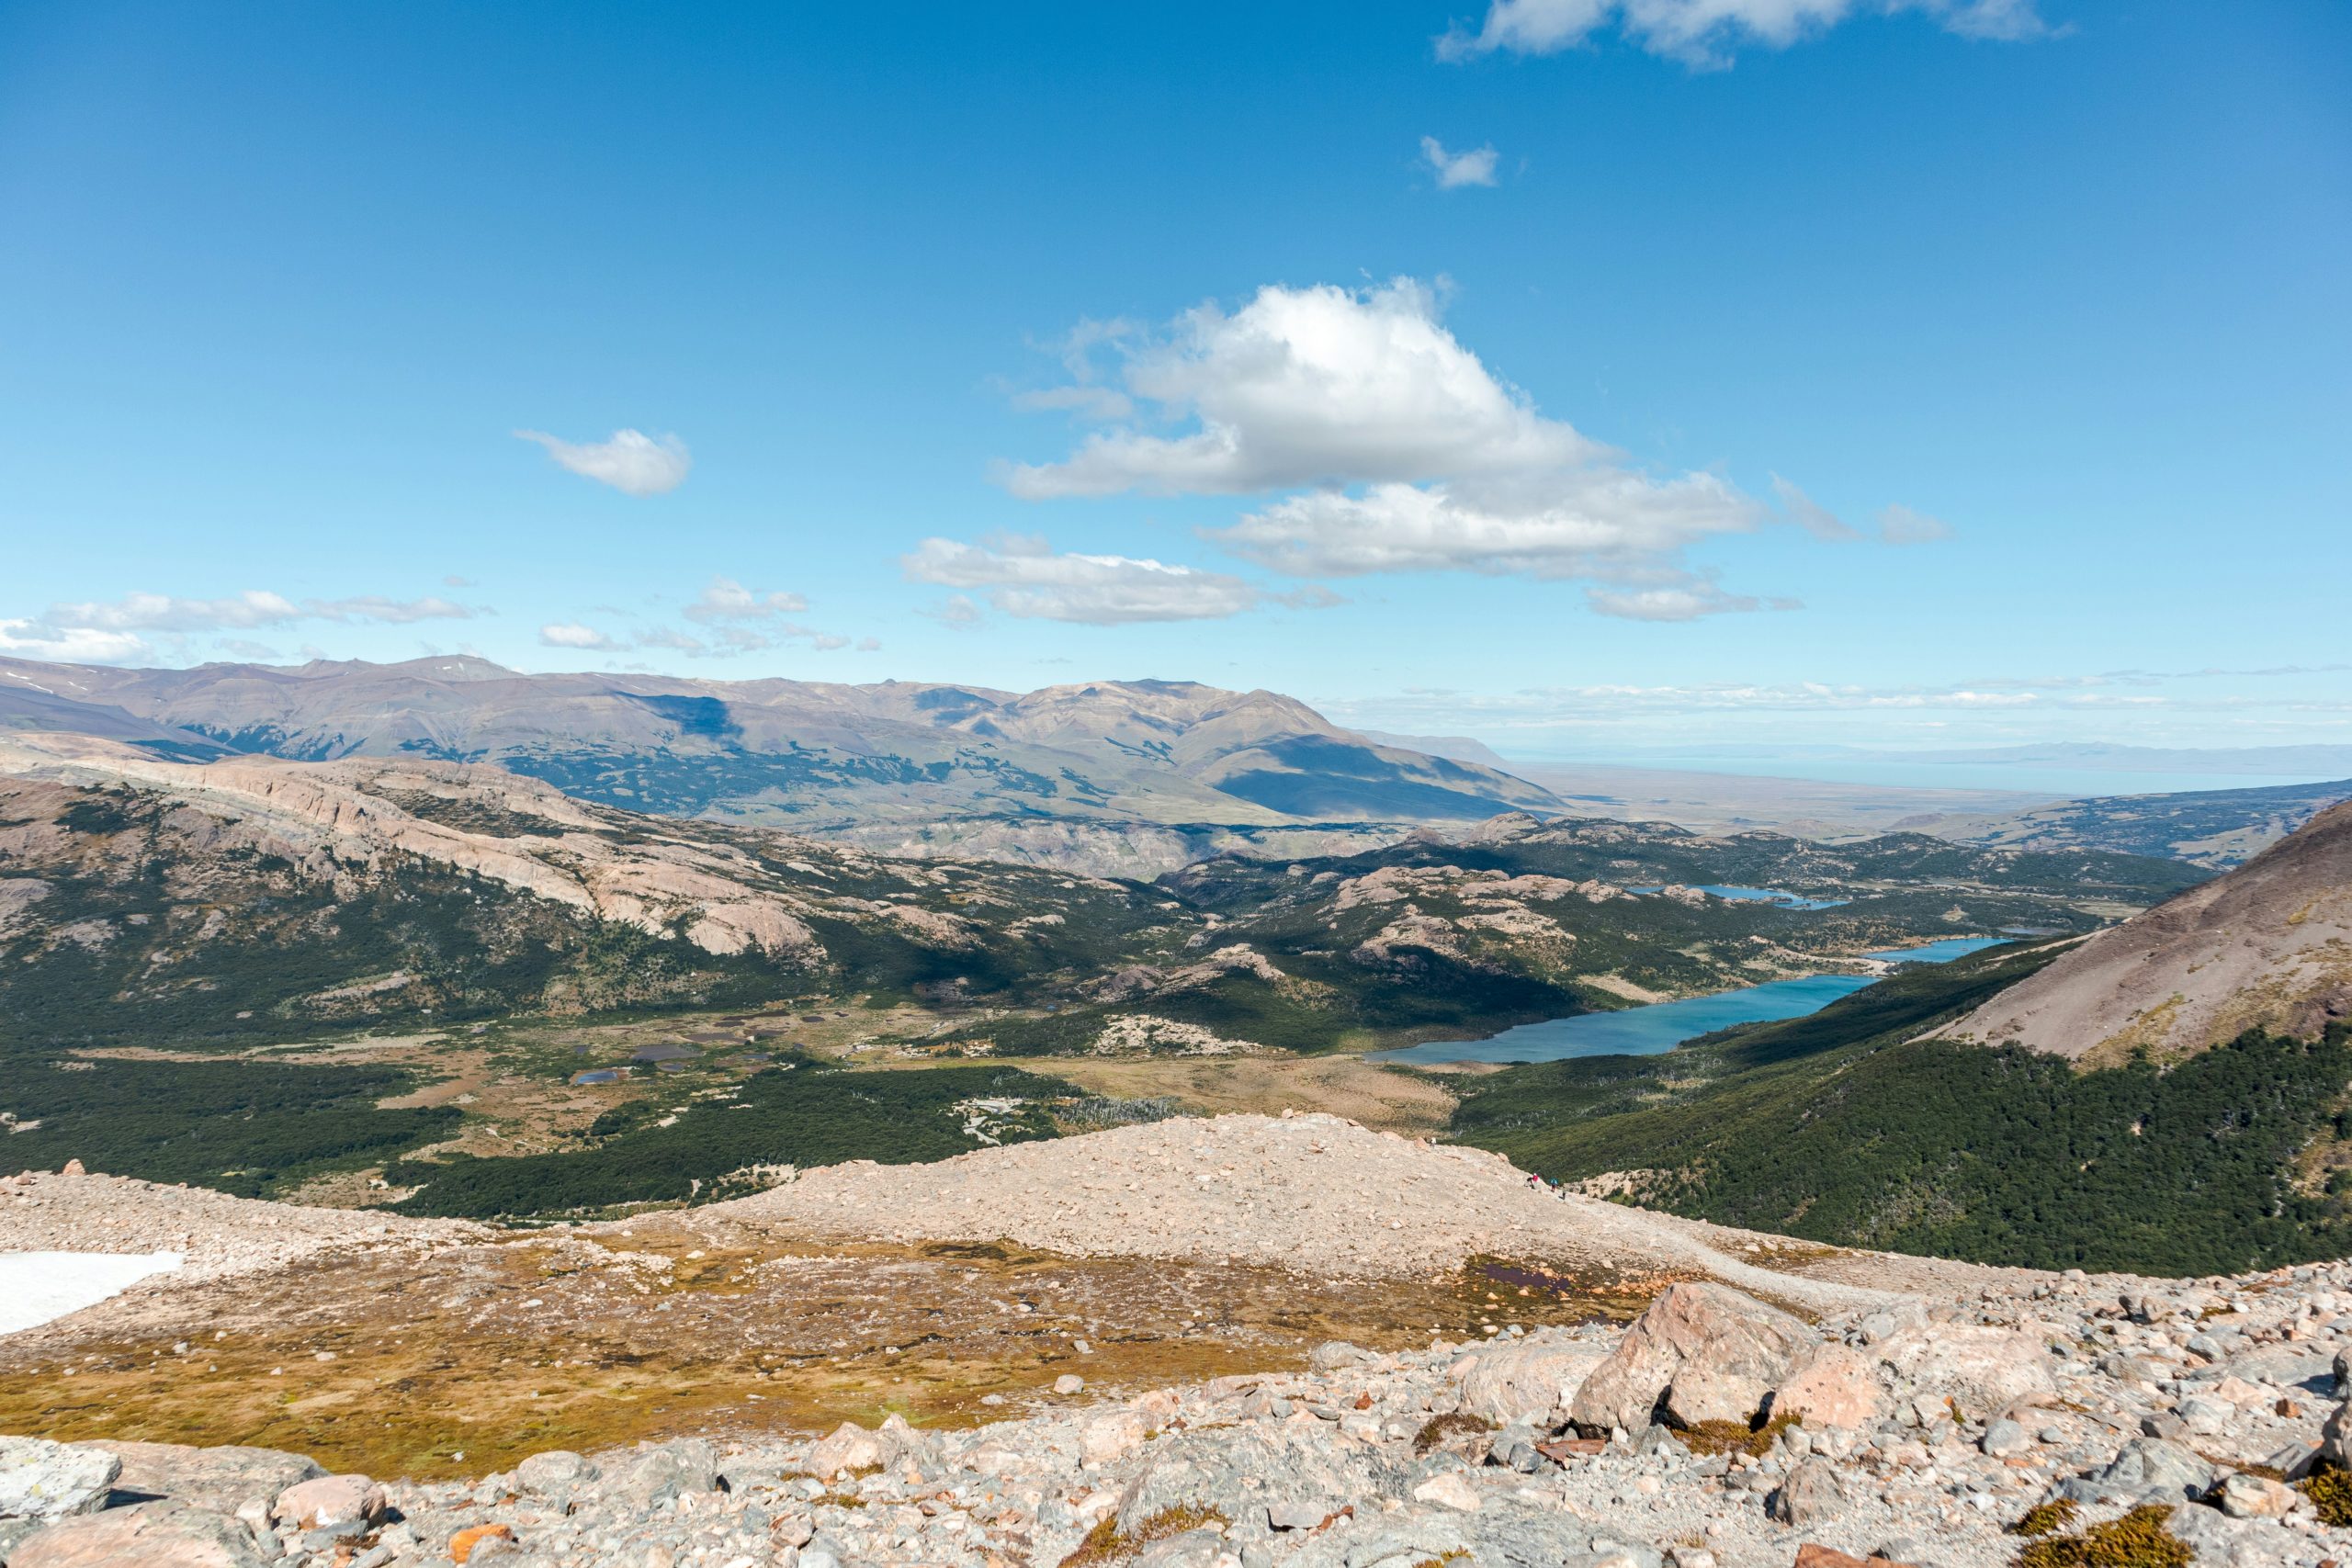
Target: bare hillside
<point x="1313" y="1192"/>
<point x="2268" y="946"/>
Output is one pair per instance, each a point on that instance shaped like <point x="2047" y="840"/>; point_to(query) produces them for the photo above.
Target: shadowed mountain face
<point x="1123" y="776"/>
<point x="2268" y="946"/>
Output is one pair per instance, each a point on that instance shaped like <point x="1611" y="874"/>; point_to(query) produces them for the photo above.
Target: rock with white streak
<point x="42" y="1480"/>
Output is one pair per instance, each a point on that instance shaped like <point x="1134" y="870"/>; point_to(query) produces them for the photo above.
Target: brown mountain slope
<point x="1126" y="777"/>
<point x="2268" y="946"/>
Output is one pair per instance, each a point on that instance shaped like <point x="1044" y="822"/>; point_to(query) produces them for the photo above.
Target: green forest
<point x="800" y="1112"/>
<point x="251" y="1129"/>
<point x="1844" y="1127"/>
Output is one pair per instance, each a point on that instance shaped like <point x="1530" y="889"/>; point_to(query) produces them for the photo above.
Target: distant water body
<point x="1660" y="1027"/>
<point x="1756" y="896"/>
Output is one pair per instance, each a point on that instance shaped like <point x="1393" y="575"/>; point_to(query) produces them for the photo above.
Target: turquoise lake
<point x="1648" y="1031"/>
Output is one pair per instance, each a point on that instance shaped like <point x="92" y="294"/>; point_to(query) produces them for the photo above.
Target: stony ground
<point x="1928" y="1430"/>
<point x="218" y="1236"/>
<point x="1755" y="1413"/>
<point x="1309" y="1191"/>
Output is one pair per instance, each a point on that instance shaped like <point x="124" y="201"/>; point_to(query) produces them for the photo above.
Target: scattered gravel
<point x="216" y="1235"/>
<point x="1313" y="1192"/>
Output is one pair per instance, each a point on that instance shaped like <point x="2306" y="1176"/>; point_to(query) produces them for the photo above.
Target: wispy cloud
<point x="121" y="631"/>
<point x="957" y="613"/>
<point x="1901" y="525"/>
<point x="254" y="607"/>
<point x="1809" y="514"/>
<point x="724" y="599"/>
<point x="1708" y="34"/>
<point x="571" y="634"/>
<point x="724" y="635"/>
<point x="1022" y="577"/>
<point x="630" y="462"/>
<point x="1453" y="170"/>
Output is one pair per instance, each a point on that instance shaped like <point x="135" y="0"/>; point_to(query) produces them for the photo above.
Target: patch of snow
<point x="37" y="1287"/>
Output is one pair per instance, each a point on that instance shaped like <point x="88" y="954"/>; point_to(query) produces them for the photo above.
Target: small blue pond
<point x="1786" y="900"/>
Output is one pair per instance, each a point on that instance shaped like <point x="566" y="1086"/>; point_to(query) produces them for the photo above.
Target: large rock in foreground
<point x="42" y="1480"/>
<point x="1699" y="1353"/>
<point x="165" y="1534"/>
<point x="239" y="1482"/>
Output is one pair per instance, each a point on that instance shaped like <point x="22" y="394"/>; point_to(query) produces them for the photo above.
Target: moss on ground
<point x="2138" y="1539"/>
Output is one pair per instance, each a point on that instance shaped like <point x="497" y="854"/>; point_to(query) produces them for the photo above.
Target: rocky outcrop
<point x="166" y="1532"/>
<point x="351" y="815"/>
<point x="1514" y="1383"/>
<point x="45" y="1481"/>
<point x="1699" y="1354"/>
<point x="2269" y="946"/>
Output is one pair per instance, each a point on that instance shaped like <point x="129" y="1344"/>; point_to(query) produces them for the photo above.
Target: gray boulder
<point x="661" y="1473"/>
<point x="2003" y="1437"/>
<point x="2336" y="1436"/>
<point x="239" y="1482"/>
<point x="162" y="1533"/>
<point x="1982" y="1371"/>
<point x="1810" y="1495"/>
<point x="1332" y="1355"/>
<point x="42" y="1480"/>
<point x="554" y="1473"/>
<point x="1206" y="1468"/>
<point x="1527" y="1382"/>
<point x="2151" y="1469"/>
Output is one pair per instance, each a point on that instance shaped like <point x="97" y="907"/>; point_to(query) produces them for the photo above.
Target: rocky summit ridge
<point x="2268" y="946"/>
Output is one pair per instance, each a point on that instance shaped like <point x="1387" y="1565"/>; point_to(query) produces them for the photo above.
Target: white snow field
<point x="36" y="1287"/>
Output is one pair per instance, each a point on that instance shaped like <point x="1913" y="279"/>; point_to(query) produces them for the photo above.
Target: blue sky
<point x="1912" y="375"/>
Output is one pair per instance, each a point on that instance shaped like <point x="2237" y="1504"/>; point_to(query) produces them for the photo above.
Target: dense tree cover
<point x="1431" y="992"/>
<point x="800" y="1112"/>
<point x="253" y="1128"/>
<point x="264" y="954"/>
<point x="1844" y="1127"/>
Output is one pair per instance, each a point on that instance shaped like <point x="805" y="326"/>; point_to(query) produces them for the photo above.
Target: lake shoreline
<point x="1659" y="1027"/>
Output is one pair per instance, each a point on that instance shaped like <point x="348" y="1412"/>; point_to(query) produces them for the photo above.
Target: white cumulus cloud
<point x="630" y="462"/>
<point x="1303" y="387"/>
<point x="1022" y="577"/>
<point x="1706" y="34"/>
<point x="1475" y="167"/>
<point x="1606" y="523"/>
<point x="1399" y="450"/>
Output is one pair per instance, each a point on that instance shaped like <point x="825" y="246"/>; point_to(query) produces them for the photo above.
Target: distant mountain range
<point x="2212" y="828"/>
<point x="2274" y="760"/>
<point x="1126" y="777"/>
